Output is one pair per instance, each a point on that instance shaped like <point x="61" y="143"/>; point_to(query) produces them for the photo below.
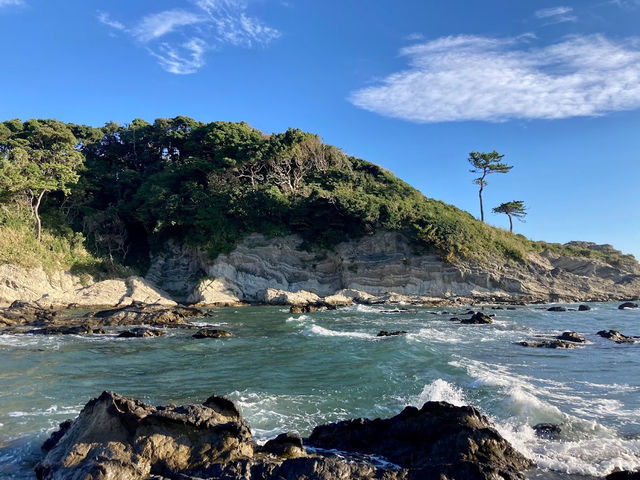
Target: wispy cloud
<point x="179" y="38"/>
<point x="11" y="3"/>
<point x="484" y="78"/>
<point x="556" y="14"/>
<point x="414" y="37"/>
<point x="105" y="19"/>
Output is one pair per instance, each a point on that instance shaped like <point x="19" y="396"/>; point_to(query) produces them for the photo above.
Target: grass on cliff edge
<point x="62" y="249"/>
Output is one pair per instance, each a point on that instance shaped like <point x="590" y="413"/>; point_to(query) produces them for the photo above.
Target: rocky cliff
<point x="380" y="264"/>
<point x="379" y="267"/>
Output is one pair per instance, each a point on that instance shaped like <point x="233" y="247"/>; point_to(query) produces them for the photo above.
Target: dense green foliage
<point x="210" y="184"/>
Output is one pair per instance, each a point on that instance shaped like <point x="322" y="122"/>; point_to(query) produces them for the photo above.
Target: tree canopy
<point x="514" y="208"/>
<point x="37" y="157"/>
<point x="486" y="164"/>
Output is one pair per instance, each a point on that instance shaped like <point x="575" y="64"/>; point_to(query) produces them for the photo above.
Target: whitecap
<point x="317" y="330"/>
<point x="440" y="391"/>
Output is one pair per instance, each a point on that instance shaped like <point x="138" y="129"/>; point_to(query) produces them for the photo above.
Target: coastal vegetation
<point x="514" y="208"/>
<point x="121" y="191"/>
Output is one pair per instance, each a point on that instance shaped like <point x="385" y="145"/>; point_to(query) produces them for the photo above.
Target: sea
<point x="292" y="372"/>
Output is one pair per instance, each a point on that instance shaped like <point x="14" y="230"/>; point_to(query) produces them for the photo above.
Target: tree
<point x="515" y="208"/>
<point x="485" y="164"/>
<point x="37" y="158"/>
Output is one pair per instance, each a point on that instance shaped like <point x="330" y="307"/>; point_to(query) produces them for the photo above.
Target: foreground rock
<point x="142" y="314"/>
<point x="115" y="437"/>
<point x="438" y="439"/>
<point x="477" y="318"/>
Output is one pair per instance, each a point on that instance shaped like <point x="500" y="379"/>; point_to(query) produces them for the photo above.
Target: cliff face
<point x="277" y="271"/>
<point x="380" y="264"/>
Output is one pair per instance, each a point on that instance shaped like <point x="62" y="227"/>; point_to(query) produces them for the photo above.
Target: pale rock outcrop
<point x="383" y="267"/>
<point x="274" y="296"/>
<point x="60" y="288"/>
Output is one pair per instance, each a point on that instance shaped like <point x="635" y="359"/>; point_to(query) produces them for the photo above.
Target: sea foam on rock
<point x="116" y="437"/>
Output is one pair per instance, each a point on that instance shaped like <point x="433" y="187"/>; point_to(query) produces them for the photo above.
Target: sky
<point x="411" y="85"/>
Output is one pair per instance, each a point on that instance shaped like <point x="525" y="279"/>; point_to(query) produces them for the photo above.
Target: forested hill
<point x="127" y="189"/>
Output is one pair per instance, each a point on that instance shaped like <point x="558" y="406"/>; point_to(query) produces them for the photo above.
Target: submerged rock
<point x="616" y="336"/>
<point x="549" y="344"/>
<point x="385" y="333"/>
<point x="115" y="437"/>
<point x="549" y="431"/>
<point x="65" y="330"/>
<point x="212" y="333"/>
<point x="584" y="308"/>
<point x="141" y="333"/>
<point x="557" y="309"/>
<point x="571" y="337"/>
<point x="626" y="305"/>
<point x="477" y="318"/>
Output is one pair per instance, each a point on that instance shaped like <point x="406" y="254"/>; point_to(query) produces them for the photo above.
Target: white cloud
<point x="160" y="24"/>
<point x="414" y="37"/>
<point x="184" y="59"/>
<point x="11" y="3"/>
<point x="106" y="19"/>
<point x="482" y="78"/>
<point x="179" y="38"/>
<point x="556" y="15"/>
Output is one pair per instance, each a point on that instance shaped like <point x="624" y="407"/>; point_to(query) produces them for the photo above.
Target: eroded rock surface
<point x="115" y="437"/>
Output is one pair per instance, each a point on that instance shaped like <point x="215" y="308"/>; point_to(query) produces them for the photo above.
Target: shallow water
<point x="292" y="372"/>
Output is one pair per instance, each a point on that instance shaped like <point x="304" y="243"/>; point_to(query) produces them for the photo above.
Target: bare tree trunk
<point x="481" y="207"/>
<point x="36" y="212"/>
<point x="510" y="223"/>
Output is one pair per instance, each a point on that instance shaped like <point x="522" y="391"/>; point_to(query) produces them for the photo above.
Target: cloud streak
<point x="180" y="38"/>
<point x="462" y="78"/>
<point x="11" y="3"/>
<point x="556" y="15"/>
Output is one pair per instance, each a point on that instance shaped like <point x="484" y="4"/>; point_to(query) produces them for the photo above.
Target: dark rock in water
<point x="511" y="308"/>
<point x="548" y="431"/>
<point x="455" y="319"/>
<point x="212" y="333"/>
<point x="141" y="333"/>
<point x="477" y="318"/>
<point x="115" y="437"/>
<point x="55" y="437"/>
<point x="584" y="308"/>
<point x="616" y="336"/>
<point x="142" y="314"/>
<point x="549" y="344"/>
<point x="497" y="308"/>
<point x="285" y="445"/>
<point x="439" y="438"/>
<point x="304" y="308"/>
<point x="384" y="333"/>
<point x="63" y="330"/>
<point x="627" y="305"/>
<point x="571" y="337"/>
<point x="624" y="475"/>
<point x="556" y="309"/>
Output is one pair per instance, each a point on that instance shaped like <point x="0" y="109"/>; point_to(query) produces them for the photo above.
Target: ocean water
<point x="292" y="372"/>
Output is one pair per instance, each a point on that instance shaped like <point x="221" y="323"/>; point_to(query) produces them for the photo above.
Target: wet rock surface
<point x="549" y="344"/>
<point x="212" y="333"/>
<point x="626" y="305"/>
<point x="385" y="333"/>
<point x="116" y="437"/>
<point x="478" y="318"/>
<point x="617" y="337"/>
<point x="571" y="337"/>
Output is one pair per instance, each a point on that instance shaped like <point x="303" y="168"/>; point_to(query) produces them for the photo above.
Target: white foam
<point x="440" y="391"/>
<point x="317" y="330"/>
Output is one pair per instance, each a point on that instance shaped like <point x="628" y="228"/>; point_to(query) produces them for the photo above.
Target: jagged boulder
<point x="141" y="333"/>
<point x="115" y="437"/>
<point x="143" y="314"/>
<point x="438" y="439"/>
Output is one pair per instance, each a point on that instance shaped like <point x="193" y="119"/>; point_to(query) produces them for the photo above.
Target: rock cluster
<point x="115" y="437"/>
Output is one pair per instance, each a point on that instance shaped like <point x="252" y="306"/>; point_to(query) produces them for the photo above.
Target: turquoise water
<point x="292" y="372"/>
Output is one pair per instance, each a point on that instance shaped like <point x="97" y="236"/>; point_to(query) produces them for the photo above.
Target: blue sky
<point x="412" y="85"/>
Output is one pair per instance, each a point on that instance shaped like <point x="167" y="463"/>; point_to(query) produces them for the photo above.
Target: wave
<point x="440" y="391"/>
<point x="316" y="330"/>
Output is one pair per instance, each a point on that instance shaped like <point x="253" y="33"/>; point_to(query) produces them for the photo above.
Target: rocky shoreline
<point x="381" y="268"/>
<point x="116" y="437"/>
